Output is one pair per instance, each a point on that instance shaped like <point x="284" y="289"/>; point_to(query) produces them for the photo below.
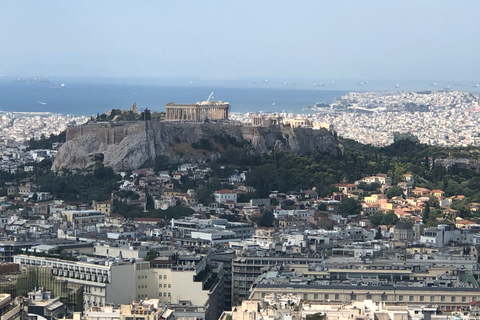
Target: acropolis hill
<point x="132" y="145"/>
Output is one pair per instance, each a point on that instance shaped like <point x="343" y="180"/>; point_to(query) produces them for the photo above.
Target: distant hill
<point x="133" y="145"/>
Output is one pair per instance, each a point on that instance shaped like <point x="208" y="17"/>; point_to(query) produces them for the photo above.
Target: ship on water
<point x="57" y="86"/>
<point x="32" y="80"/>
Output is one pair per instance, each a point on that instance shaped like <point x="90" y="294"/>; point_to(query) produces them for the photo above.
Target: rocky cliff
<point x="124" y="146"/>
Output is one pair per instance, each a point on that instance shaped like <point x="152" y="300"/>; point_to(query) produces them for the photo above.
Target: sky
<point x="218" y="39"/>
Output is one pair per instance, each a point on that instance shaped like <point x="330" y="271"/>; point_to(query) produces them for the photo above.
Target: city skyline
<point x="428" y="40"/>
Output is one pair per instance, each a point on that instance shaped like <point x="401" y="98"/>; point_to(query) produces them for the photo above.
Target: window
<point x="452" y="299"/>
<point x="432" y="298"/>
<point x="164" y="285"/>
<point x="164" y="294"/>
<point x="165" y="276"/>
<point x="169" y="285"/>
<point x="169" y="294"/>
<point x="410" y="298"/>
<point x="442" y="298"/>
<point x="400" y="298"/>
<point x="327" y="296"/>
<point x="337" y="296"/>
<point x="474" y="298"/>
<point x="422" y="298"/>
<point x="305" y="296"/>
<point x="464" y="299"/>
<point x="315" y="296"/>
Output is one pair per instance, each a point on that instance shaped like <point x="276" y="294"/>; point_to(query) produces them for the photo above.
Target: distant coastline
<point x="89" y="96"/>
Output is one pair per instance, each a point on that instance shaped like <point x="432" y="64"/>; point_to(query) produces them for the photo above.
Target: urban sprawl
<point x="63" y="259"/>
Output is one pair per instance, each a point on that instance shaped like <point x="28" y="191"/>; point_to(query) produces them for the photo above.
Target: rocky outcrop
<point x="124" y="146"/>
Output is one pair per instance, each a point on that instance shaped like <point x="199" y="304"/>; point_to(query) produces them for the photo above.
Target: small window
<point x="442" y="298"/>
<point x="410" y="298"/>
<point x="337" y="297"/>
<point x="400" y="298"/>
<point x="432" y="298"/>
<point x="422" y="298"/>
<point x="464" y="299"/>
<point x="452" y="299"/>
<point x="315" y="296"/>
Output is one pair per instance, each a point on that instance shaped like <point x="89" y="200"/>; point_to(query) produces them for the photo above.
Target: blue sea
<point x="89" y="96"/>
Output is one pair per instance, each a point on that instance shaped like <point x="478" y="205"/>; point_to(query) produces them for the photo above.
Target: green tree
<point x="394" y="191"/>
<point x="390" y="218"/>
<point x="350" y="206"/>
<point x="315" y="316"/>
<point x="433" y="201"/>
<point x="267" y="219"/>
<point x="376" y="218"/>
<point x="151" y="255"/>
<point x="378" y="235"/>
<point x="426" y="213"/>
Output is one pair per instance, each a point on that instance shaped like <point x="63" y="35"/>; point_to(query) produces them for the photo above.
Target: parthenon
<point x="200" y="111"/>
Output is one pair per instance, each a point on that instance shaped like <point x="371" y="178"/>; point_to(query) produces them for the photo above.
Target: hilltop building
<point x="197" y="112"/>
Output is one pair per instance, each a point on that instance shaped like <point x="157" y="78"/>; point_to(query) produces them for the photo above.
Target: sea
<point x="92" y="96"/>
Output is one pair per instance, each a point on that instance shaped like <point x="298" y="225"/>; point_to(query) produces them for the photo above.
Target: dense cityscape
<point x="444" y="118"/>
<point x="386" y="235"/>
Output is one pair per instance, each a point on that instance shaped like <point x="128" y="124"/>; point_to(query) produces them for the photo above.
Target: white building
<point x="225" y="195"/>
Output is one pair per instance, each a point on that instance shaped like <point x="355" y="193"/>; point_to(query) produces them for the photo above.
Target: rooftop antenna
<point x="210" y="97"/>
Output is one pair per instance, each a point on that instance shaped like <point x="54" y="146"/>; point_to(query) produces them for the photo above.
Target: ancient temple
<point x="197" y="112"/>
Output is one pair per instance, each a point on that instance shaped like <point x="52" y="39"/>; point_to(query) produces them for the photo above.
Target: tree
<point x="390" y="218"/>
<point x="350" y="206"/>
<point x="267" y="219"/>
<point x="409" y="220"/>
<point x="433" y="201"/>
<point x="151" y="255"/>
<point x="378" y="235"/>
<point x="378" y="218"/>
<point x="394" y="191"/>
<point x="426" y="213"/>
<point x="315" y="316"/>
<point x="146" y="115"/>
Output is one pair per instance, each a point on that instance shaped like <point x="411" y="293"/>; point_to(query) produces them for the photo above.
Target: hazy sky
<point x="332" y="39"/>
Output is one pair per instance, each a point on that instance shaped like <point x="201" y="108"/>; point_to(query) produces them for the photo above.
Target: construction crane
<point x="210" y="97"/>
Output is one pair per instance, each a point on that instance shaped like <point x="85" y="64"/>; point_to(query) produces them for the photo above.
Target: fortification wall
<point x="107" y="133"/>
